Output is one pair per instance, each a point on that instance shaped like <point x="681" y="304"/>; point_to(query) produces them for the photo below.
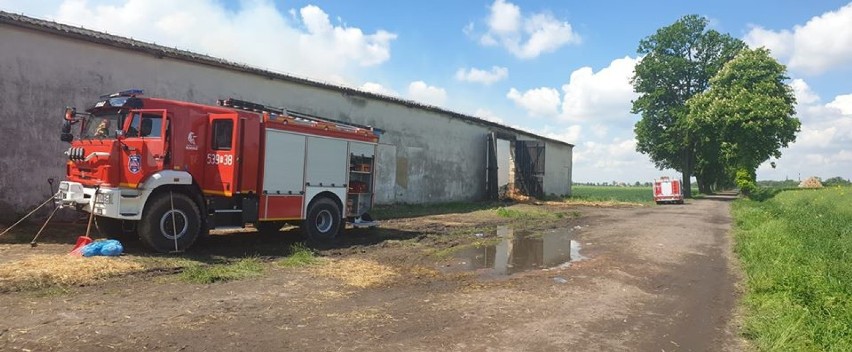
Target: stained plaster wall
<point x="425" y="156"/>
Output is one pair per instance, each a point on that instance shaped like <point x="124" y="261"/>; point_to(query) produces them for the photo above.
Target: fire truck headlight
<point x="103" y="198"/>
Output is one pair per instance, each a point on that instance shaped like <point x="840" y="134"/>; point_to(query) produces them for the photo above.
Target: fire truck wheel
<point x="323" y="221"/>
<point x="115" y="228"/>
<point x="160" y="222"/>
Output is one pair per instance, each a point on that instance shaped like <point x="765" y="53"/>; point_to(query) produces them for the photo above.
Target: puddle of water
<point x="519" y="251"/>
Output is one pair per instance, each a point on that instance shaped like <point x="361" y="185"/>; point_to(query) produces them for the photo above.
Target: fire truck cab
<point x="169" y="171"/>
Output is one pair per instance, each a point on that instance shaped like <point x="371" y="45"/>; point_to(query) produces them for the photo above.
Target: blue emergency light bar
<point x="125" y="93"/>
<point x="129" y="93"/>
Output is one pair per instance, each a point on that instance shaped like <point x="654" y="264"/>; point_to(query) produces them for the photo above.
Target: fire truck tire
<point x="159" y="221"/>
<point x="323" y="221"/>
<point x="115" y="228"/>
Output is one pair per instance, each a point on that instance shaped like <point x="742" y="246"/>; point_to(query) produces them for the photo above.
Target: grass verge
<point x="796" y="251"/>
<point x="208" y="274"/>
<point x="524" y="214"/>
<point x="300" y="255"/>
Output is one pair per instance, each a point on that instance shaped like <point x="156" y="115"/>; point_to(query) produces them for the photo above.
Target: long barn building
<point x="427" y="154"/>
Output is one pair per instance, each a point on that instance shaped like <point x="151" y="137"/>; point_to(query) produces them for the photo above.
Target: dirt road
<point x="653" y="279"/>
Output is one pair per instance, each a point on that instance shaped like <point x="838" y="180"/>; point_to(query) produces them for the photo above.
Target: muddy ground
<point x="651" y="278"/>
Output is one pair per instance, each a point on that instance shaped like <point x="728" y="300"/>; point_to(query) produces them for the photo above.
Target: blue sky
<point x="556" y="68"/>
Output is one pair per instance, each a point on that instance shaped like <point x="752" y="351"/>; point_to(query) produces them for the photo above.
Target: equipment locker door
<point x="222" y="159"/>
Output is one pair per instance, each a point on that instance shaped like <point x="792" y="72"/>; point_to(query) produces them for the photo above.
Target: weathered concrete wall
<point x="425" y="156"/>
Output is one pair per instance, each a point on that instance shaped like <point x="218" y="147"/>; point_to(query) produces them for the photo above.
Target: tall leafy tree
<point x="749" y="110"/>
<point x="678" y="62"/>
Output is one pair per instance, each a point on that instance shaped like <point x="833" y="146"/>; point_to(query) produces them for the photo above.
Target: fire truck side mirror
<point x="70" y="113"/>
<point x="66" y="135"/>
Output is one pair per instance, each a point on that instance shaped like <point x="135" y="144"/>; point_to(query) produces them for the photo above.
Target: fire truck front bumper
<point x="114" y="203"/>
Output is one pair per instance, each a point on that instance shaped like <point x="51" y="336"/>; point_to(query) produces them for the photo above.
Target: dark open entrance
<point x="529" y="168"/>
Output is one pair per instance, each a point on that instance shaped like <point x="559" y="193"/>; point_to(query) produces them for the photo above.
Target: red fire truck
<point x="667" y="190"/>
<point x="169" y="171"/>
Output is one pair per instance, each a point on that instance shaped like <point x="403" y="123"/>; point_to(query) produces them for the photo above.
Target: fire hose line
<point x="28" y="215"/>
<point x="33" y="242"/>
<point x="174" y="222"/>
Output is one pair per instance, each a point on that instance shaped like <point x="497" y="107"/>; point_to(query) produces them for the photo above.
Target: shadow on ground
<point x="218" y="247"/>
<point x="721" y="196"/>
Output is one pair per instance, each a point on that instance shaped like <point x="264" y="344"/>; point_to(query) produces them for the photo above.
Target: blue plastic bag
<point x="109" y="248"/>
<point x="92" y="249"/>
<point x="112" y="248"/>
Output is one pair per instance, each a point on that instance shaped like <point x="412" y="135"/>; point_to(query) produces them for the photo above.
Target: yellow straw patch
<point x="61" y="270"/>
<point x="358" y="272"/>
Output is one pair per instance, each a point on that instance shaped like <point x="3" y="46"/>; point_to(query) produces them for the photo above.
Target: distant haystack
<point x="811" y="182"/>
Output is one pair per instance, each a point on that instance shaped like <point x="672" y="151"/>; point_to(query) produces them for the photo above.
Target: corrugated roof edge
<point x="162" y="51"/>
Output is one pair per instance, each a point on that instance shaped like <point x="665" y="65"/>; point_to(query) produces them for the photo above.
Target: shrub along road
<point x="655" y="278"/>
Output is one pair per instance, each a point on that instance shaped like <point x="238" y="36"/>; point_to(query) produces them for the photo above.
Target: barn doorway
<point x="529" y="168"/>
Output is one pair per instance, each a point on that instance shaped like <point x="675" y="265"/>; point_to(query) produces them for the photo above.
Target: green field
<point x="796" y="252"/>
<point x="612" y="194"/>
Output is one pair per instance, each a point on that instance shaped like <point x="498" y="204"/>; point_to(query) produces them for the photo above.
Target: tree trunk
<point x="704" y="185"/>
<point x="687" y="174"/>
<point x="687" y="184"/>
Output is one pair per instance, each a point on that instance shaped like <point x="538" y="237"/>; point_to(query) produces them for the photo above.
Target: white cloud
<point x="424" y="93"/>
<point x="804" y="94"/>
<point x="303" y="42"/>
<point x="602" y="97"/>
<point x="823" y="43"/>
<point x="377" y="88"/>
<point x="482" y="76"/>
<point x="537" y="102"/>
<point x="842" y="103"/>
<point x="488" y="115"/>
<point x="779" y="43"/>
<point x="605" y="95"/>
<point x="571" y="134"/>
<point x="823" y="146"/>
<point x="505" y="18"/>
<point x="525" y="37"/>
<point x="600" y="130"/>
<point x="614" y="159"/>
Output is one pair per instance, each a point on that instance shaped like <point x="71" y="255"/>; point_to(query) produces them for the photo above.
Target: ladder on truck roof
<point x="255" y="107"/>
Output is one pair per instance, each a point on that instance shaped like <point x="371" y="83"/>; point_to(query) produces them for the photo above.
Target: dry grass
<point x="364" y="316"/>
<point x="44" y="271"/>
<point x="359" y="273"/>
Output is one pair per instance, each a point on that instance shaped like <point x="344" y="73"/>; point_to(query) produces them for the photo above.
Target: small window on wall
<point x="223" y="130"/>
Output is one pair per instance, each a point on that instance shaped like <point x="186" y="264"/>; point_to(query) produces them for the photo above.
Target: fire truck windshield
<point x="102" y="126"/>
